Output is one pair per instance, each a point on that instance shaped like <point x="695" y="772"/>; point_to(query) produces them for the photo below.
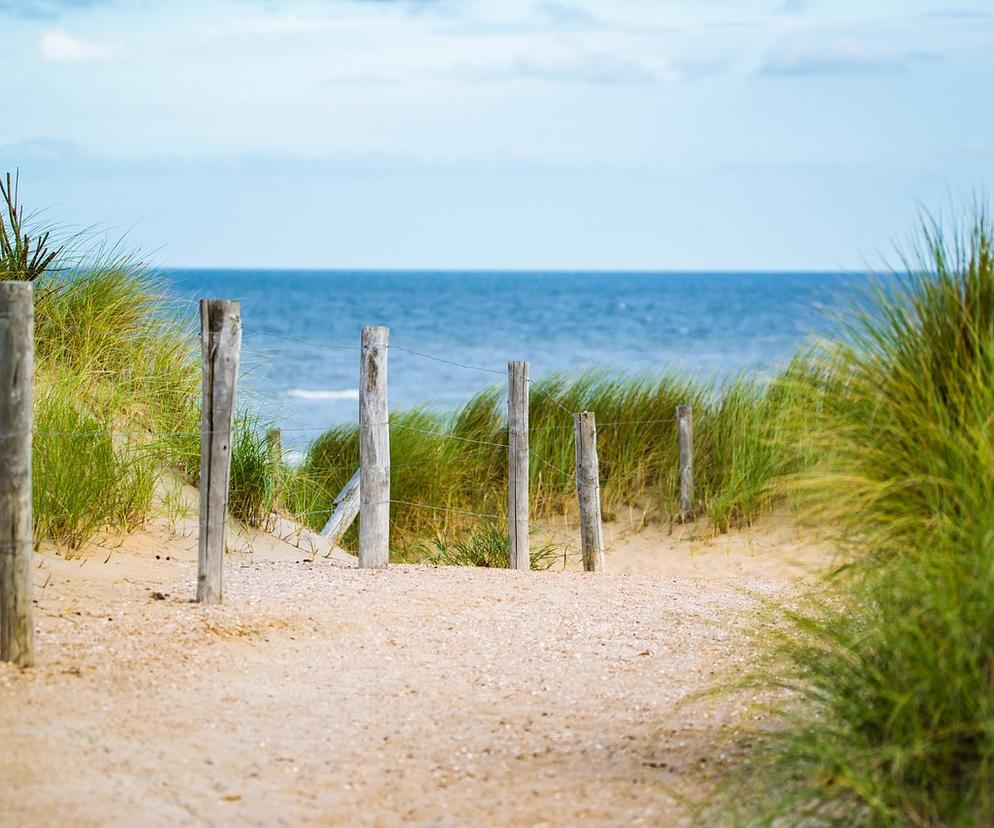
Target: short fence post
<point x="346" y="508"/>
<point x="274" y="446"/>
<point x="685" y="424"/>
<point x="221" y="343"/>
<point x="16" y="372"/>
<point x="374" y="451"/>
<point x="517" y="464"/>
<point x="588" y="491"/>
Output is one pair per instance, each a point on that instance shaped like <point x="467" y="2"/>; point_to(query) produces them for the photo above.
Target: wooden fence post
<point x="16" y="373"/>
<point x="346" y="509"/>
<point x="517" y="464"/>
<point x="274" y="445"/>
<point x="374" y="451"/>
<point x="588" y="491"/>
<point x="685" y="421"/>
<point x="221" y="343"/>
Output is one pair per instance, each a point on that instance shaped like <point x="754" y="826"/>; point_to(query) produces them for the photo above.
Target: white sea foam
<point x="305" y="394"/>
<point x="293" y="458"/>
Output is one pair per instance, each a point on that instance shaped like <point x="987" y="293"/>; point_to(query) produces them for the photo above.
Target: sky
<point x="498" y="134"/>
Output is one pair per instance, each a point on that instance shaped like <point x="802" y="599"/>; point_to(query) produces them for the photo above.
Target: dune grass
<point x="114" y="373"/>
<point x="85" y="481"/>
<point x="458" y="462"/>
<point x="888" y="717"/>
<point x="117" y="361"/>
<point x="117" y="388"/>
<point x="487" y="545"/>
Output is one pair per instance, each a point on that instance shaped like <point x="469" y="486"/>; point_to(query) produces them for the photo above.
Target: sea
<point x="452" y="333"/>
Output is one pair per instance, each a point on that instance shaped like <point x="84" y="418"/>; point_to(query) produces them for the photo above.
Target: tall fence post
<point x="517" y="464"/>
<point x="16" y="373"/>
<point x="685" y="425"/>
<point x="588" y="491"/>
<point x="374" y="451"/>
<point x="221" y="344"/>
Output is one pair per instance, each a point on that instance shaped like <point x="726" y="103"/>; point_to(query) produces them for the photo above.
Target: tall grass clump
<point x="83" y="480"/>
<point x="116" y="377"/>
<point x="109" y="325"/>
<point x="257" y="477"/>
<point x="24" y="255"/>
<point x="889" y="713"/>
<point x="111" y="352"/>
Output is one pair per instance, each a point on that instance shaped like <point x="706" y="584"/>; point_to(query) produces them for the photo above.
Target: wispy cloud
<point x="957" y="14"/>
<point x="565" y="14"/>
<point x="45" y="9"/>
<point x="570" y="62"/>
<point x="795" y="6"/>
<point x="60" y="47"/>
<point x="692" y="67"/>
<point x="831" y="57"/>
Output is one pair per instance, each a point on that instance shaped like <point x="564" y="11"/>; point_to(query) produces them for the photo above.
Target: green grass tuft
<point x="889" y="715"/>
<point x="487" y="545"/>
<point x="85" y="481"/>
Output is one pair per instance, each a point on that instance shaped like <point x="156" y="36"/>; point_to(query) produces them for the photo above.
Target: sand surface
<point x="319" y="694"/>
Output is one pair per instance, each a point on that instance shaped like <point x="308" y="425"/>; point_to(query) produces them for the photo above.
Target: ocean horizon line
<point x="524" y="271"/>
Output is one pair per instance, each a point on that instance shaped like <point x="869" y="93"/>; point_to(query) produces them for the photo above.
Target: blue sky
<point x="661" y="134"/>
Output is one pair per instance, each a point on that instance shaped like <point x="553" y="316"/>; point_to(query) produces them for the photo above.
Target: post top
<point x="16" y="286"/>
<point x="373" y="334"/>
<point x="214" y="312"/>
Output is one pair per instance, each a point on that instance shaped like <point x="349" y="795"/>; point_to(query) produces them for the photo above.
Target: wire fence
<point x="220" y="338"/>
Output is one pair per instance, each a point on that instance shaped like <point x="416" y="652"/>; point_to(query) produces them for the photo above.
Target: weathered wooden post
<point x="16" y="373"/>
<point x="374" y="451"/>
<point x="221" y="344"/>
<point x="517" y="464"/>
<point x="346" y="509"/>
<point x="588" y="491"/>
<point x="685" y="425"/>
<point x="274" y="446"/>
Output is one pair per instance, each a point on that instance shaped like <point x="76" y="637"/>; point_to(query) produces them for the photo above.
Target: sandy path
<point x="325" y="695"/>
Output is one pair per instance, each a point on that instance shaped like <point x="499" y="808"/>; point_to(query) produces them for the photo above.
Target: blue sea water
<point x="302" y="328"/>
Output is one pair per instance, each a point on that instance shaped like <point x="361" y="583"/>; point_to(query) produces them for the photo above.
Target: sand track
<point x="326" y="695"/>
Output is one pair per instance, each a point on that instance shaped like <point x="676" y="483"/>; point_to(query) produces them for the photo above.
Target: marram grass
<point x="458" y="461"/>
<point x="888" y="712"/>
<point x="117" y="390"/>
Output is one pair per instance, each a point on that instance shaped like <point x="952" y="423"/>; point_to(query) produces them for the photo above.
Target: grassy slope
<point x="890" y="718"/>
<point x="117" y="406"/>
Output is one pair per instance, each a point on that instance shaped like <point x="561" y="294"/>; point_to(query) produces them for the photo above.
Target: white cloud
<point x="794" y="6"/>
<point x="59" y="47"/>
<point x="562" y="61"/>
<point x="839" y="56"/>
<point x="565" y="14"/>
